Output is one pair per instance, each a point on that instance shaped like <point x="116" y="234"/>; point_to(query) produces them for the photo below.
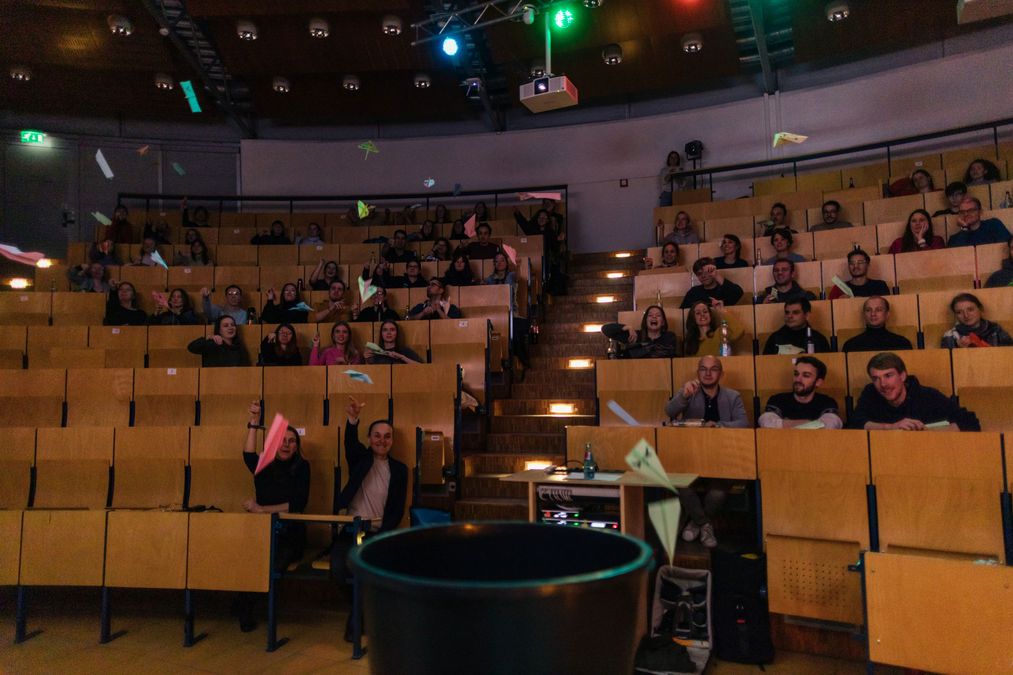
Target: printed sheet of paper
<point x="272" y="442"/>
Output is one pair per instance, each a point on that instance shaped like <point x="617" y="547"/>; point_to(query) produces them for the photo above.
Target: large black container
<point x="483" y="598"/>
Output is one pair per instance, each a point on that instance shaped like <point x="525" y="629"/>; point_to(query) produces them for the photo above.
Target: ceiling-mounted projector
<point x="548" y="93"/>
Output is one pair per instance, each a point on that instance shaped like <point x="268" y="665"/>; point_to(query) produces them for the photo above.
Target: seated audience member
<point x="119" y="231"/>
<point x="922" y="181"/>
<point x="379" y="310"/>
<point x="427" y="232"/>
<point x="1004" y="275"/>
<point x="441" y="214"/>
<point x="503" y="275"/>
<point x="918" y="235"/>
<point x="324" y="274"/>
<point x="796" y="335"/>
<point x="224" y="348"/>
<point x="782" y="240"/>
<point x="192" y="235"/>
<point x="376" y="491"/>
<point x="103" y="252"/>
<point x="274" y="237"/>
<point x="394" y="352"/>
<point x="972" y="329"/>
<point x="785" y="287"/>
<point x="778" y="219"/>
<point x="460" y="272"/>
<point x="482" y="248"/>
<point x="481" y="212"/>
<point x="704" y="328"/>
<point x="652" y="341"/>
<point x="803" y="403"/>
<point x="876" y="337"/>
<point x="200" y="215"/>
<point x="671" y="178"/>
<point x="896" y="400"/>
<point x="198" y="256"/>
<point x="91" y="277"/>
<point x="955" y="193"/>
<point x="540" y="223"/>
<point x="860" y="283"/>
<point x="314" y="236"/>
<point x="441" y="250"/>
<point x="159" y="231"/>
<point x="397" y="251"/>
<point x="704" y="399"/>
<point x="280" y="348"/>
<point x="981" y="172"/>
<point x="831" y="217"/>
<point x="288" y="309"/>
<point x="973" y="230"/>
<point x="457" y="230"/>
<point x="333" y="307"/>
<point x="342" y="351"/>
<point x="731" y="253"/>
<point x="683" y="232"/>
<point x="174" y="310"/>
<point x="436" y="305"/>
<point x="233" y="305"/>
<point x="121" y="307"/>
<point x="146" y="256"/>
<point x="378" y="273"/>
<point x="712" y="285"/>
<point x="669" y="257"/>
<point x="412" y="277"/>
<point x="282" y="486"/>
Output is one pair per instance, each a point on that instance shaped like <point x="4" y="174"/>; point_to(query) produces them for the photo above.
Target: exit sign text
<point x="33" y="137"/>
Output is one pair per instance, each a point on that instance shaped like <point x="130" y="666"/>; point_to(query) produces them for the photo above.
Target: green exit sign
<point x="33" y="137"/>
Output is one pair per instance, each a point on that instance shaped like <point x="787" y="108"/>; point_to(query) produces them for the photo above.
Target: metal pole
<point x="548" y="47"/>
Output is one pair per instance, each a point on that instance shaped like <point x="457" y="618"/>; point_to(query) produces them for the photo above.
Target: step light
<point x="592" y="327"/>
<point x="614" y="275"/>
<point x="537" y="465"/>
<point x="623" y="254"/>
<point x="44" y="263"/>
<point x="18" y="283"/>
<point x="579" y="364"/>
<point x="605" y="299"/>
<point x="562" y="408"/>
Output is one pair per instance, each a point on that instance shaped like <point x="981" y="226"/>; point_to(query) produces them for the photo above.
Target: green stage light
<point x="563" y="18"/>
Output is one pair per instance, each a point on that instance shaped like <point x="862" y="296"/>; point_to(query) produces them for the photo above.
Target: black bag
<point x="741" y="617"/>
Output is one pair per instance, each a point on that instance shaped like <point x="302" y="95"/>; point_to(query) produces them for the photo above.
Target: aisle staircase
<point x="521" y="428"/>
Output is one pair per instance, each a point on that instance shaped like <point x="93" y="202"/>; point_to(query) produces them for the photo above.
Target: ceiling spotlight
<point x="527" y="13"/>
<point x="20" y="73"/>
<point x="319" y="28"/>
<point x="391" y="25"/>
<point x="837" y="11"/>
<point x="119" y="25"/>
<point x="164" y="82"/>
<point x="164" y="31"/>
<point x="593" y="4"/>
<point x="246" y="30"/>
<point x="537" y="68"/>
<point x="692" y="43"/>
<point x="350" y="83"/>
<point x="280" y="84"/>
<point x="422" y="81"/>
<point x="612" y="55"/>
<point x="450" y="46"/>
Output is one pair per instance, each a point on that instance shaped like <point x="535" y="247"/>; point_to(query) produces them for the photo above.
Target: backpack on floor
<point x="741" y="614"/>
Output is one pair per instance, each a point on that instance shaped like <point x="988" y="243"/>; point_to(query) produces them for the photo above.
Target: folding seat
<point x="146" y="276"/>
<point x="669" y="288"/>
<point x="149" y="465"/>
<point x="715" y="228"/>
<point x="16" y="461"/>
<point x="233" y="219"/>
<point x="887" y="233"/>
<point x="297" y="392"/>
<point x="32" y="397"/>
<point x="493" y="303"/>
<point x="236" y="235"/>
<point x="610" y="445"/>
<point x="714" y="453"/>
<point x="167" y="346"/>
<point x="464" y="342"/>
<point x="165" y="396"/>
<point x="640" y="386"/>
<point x="276" y="276"/>
<point x="125" y="346"/>
<point x="62" y="347"/>
<point x="225" y="394"/>
<point x="13" y="346"/>
<point x="892" y="209"/>
<point x="246" y="277"/>
<point x="376" y="396"/>
<point x="988" y="259"/>
<point x="78" y="309"/>
<point x="99" y="397"/>
<point x="278" y="256"/>
<point x="982" y="383"/>
<point x="869" y="176"/>
<point x="191" y="278"/>
<point x="948" y="268"/>
<point x="356" y="255"/>
<point x="416" y="335"/>
<point x="838" y="243"/>
<point x="53" y="278"/>
<point x="311" y="254"/>
<point x="344" y="233"/>
<point x="237" y="254"/>
<point x="25" y="308"/>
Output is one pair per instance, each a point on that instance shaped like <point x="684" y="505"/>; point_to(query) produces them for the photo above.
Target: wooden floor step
<point x="491" y="508"/>
<point x="557" y="389"/>
<point x="552" y="443"/>
<point x="532" y="424"/>
<point x="581" y="407"/>
<point x="486" y="485"/>
<point x="504" y="463"/>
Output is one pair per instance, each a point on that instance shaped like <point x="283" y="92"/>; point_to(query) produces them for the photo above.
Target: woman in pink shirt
<point x="341" y="352"/>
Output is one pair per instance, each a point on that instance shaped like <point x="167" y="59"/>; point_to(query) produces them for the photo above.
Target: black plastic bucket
<point x="498" y="597"/>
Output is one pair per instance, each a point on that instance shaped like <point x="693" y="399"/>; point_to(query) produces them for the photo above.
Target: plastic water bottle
<point x="810" y="346"/>
<point x="726" y="345"/>
<point x="590" y="468"/>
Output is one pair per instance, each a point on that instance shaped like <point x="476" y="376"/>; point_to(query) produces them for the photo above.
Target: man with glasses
<point x="436" y="306"/>
<point x="785" y="287"/>
<point x="860" y="284"/>
<point x="831" y="212"/>
<point x="703" y="399"/>
<point x="233" y="305"/>
<point x="973" y="230"/>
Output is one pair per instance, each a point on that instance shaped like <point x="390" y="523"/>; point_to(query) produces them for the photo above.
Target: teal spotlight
<point x="450" y="46"/>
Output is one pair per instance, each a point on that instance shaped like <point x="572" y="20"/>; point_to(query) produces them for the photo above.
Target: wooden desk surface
<point x="679" y="480"/>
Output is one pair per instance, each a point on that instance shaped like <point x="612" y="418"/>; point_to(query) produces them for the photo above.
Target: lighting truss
<point x="455" y="22"/>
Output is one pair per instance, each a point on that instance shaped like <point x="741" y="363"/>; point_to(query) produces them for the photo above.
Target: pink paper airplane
<point x="272" y="442"/>
<point x="469" y="226"/>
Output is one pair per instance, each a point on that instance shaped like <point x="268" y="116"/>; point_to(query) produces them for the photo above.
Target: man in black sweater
<point x="795" y="336"/>
<point x="895" y="400"/>
<point x="785" y="287"/>
<point x="712" y="285"/>
<point x="876" y="338"/>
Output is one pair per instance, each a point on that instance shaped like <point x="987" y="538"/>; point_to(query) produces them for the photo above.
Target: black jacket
<point x="728" y="293"/>
<point x="788" y="336"/>
<point x="922" y="403"/>
<point x="876" y="340"/>
<point x="213" y="355"/>
<point x="360" y="461"/>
